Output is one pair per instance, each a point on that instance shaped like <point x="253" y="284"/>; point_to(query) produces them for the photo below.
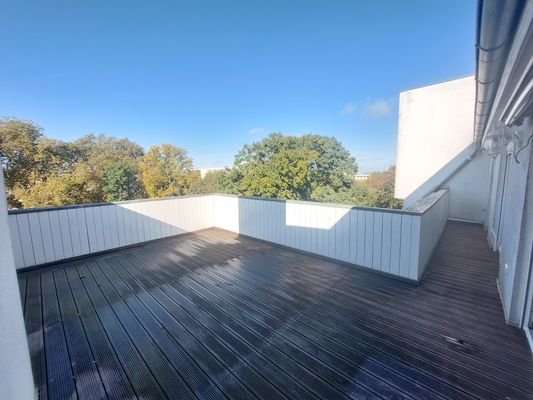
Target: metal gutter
<point x="496" y="25"/>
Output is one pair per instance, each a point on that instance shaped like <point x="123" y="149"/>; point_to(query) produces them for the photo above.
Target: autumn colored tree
<point x="54" y="191"/>
<point x="166" y="171"/>
<point x="18" y="148"/>
<point x="29" y="160"/>
<point x="41" y="171"/>
<point x="383" y="185"/>
<point x="98" y="153"/>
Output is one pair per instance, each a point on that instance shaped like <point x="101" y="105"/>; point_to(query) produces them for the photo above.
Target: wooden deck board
<point x="33" y="317"/>
<point x="213" y="315"/>
<point x="114" y="379"/>
<point x="139" y="374"/>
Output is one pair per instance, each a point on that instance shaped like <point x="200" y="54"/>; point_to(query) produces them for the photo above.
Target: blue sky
<point x="211" y="76"/>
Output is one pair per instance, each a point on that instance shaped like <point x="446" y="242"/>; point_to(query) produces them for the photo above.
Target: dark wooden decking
<point x="211" y="315"/>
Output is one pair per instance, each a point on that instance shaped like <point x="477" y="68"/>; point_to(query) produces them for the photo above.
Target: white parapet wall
<point x="434" y="211"/>
<point x="47" y="235"/>
<point x="395" y="242"/>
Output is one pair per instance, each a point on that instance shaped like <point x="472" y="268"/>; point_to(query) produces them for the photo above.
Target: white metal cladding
<point x="43" y="236"/>
<point x="391" y="241"/>
<point x="432" y="224"/>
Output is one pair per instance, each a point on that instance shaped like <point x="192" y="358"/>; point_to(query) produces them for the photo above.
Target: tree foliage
<point x="308" y="167"/>
<point x="286" y="175"/>
<point x="357" y="194"/>
<point x="292" y="167"/>
<point x="212" y="182"/>
<point x="382" y="183"/>
<point x="120" y="182"/>
<point x="97" y="153"/>
<point x="41" y="171"/>
<point x="166" y="171"/>
<point x="55" y="190"/>
<point x="18" y="148"/>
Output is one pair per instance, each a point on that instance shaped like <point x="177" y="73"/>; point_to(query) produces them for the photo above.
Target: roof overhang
<point x="497" y="24"/>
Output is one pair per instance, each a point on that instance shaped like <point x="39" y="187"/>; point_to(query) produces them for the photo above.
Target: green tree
<point x="95" y="154"/>
<point x="285" y="175"/>
<point x="212" y="182"/>
<point x="358" y="194"/>
<point x="119" y="182"/>
<point x="165" y="171"/>
<point x="334" y="166"/>
<point x="292" y="167"/>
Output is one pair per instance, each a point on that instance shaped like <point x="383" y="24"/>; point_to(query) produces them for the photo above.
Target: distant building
<point x="361" y="177"/>
<point x="204" y="171"/>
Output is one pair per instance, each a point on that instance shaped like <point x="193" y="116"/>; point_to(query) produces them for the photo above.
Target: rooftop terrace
<point x="213" y="314"/>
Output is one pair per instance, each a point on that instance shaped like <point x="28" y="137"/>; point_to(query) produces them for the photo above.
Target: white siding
<point x="383" y="240"/>
<point x="432" y="225"/>
<point x="386" y="243"/>
<point x="26" y="242"/>
<point x="36" y="238"/>
<point x="50" y="235"/>
<point x="17" y="246"/>
<point x="66" y="238"/>
<point x="395" y="242"/>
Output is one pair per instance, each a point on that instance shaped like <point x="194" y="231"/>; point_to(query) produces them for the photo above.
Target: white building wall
<point x="435" y="125"/>
<point x="16" y="381"/>
<point x="469" y="189"/>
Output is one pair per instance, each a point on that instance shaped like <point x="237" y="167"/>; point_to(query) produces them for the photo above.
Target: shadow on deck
<point x="213" y="315"/>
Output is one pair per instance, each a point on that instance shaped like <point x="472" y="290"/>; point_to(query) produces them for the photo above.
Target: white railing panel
<point x="397" y="242"/>
<point x="36" y="238"/>
<point x="405" y="245"/>
<point x="369" y="236"/>
<point x="47" y="235"/>
<point x="15" y="242"/>
<point x="360" y="238"/>
<point x="386" y="243"/>
<point x="377" y="240"/>
<point x="64" y="228"/>
<point x="433" y="222"/>
<point x="381" y="239"/>
<point x="414" y="257"/>
<point x="25" y="238"/>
